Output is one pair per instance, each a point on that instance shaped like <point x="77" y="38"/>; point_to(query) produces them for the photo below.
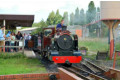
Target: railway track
<point x="91" y="67"/>
<point x="83" y="74"/>
<point x="88" y="71"/>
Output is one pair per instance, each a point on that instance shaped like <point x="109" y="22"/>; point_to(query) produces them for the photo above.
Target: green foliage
<point x="94" y="46"/>
<point x="65" y="16"/>
<point x="57" y="18"/>
<point x="54" y="19"/>
<point x="83" y="48"/>
<point x="50" y="19"/>
<point x="82" y="17"/>
<point x="92" y="57"/>
<point x="76" y="18"/>
<point x="41" y="25"/>
<point x="36" y="25"/>
<point x="11" y="55"/>
<point x="98" y="9"/>
<point x="117" y="46"/>
<point x="90" y="16"/>
<point x="72" y="19"/>
<point x="19" y="64"/>
<point x="104" y="30"/>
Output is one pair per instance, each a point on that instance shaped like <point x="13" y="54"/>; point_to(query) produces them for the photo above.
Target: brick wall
<point x="44" y="76"/>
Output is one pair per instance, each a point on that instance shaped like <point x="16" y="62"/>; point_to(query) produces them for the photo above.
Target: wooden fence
<point x="14" y="46"/>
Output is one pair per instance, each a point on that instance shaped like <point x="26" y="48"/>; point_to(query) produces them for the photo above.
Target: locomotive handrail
<point x="14" y="46"/>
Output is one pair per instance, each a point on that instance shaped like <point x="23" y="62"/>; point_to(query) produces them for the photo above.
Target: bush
<point x="11" y="55"/>
<point x="84" y="48"/>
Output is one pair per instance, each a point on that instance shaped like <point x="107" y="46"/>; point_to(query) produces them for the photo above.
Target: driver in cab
<point x="59" y="26"/>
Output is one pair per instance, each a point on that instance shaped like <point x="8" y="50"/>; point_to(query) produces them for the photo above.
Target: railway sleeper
<point x="88" y="68"/>
<point x="88" y="73"/>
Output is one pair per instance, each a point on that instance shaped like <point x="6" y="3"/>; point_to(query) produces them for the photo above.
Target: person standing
<point x="28" y="37"/>
<point x="2" y="37"/>
<point x="24" y="38"/>
<point x="18" y="37"/>
<point x="7" y="43"/>
<point x="12" y="42"/>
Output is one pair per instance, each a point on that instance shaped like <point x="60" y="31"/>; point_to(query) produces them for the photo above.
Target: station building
<point x="12" y="21"/>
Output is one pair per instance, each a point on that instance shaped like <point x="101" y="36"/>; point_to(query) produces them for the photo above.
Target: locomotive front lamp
<point x="65" y="39"/>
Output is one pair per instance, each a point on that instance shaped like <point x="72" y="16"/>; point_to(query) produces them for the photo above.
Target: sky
<point x="42" y="8"/>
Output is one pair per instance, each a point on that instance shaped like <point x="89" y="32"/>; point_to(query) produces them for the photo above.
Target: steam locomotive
<point x="59" y="45"/>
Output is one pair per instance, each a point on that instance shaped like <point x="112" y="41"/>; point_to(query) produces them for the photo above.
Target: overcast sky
<point x="42" y="8"/>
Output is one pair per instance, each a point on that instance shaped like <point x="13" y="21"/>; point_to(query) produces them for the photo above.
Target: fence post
<point x="23" y="45"/>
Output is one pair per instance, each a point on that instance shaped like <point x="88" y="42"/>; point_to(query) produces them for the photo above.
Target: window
<point x="47" y="32"/>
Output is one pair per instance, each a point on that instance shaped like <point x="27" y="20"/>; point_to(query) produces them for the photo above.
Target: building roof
<point x="12" y="21"/>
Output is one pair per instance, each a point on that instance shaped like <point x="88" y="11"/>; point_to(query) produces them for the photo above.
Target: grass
<point x="97" y="45"/>
<point x="19" y="64"/>
<point x="117" y="46"/>
<point x="92" y="57"/>
<point x="94" y="46"/>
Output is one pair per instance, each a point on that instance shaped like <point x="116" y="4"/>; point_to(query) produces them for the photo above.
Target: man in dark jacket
<point x="59" y="26"/>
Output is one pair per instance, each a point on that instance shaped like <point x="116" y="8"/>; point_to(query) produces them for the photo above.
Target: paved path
<point x="29" y="54"/>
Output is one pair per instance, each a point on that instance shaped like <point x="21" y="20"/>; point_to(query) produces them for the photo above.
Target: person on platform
<point x="18" y="37"/>
<point x="12" y="42"/>
<point x="28" y="37"/>
<point x="24" y="36"/>
<point x="2" y="37"/>
<point x="7" y="43"/>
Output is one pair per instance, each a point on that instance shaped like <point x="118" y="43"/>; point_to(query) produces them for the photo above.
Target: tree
<point x="91" y="12"/>
<point x="65" y="16"/>
<point x="72" y="19"/>
<point x="82" y="17"/>
<point x="98" y="9"/>
<point x="50" y="19"/>
<point x="41" y="24"/>
<point x="57" y="18"/>
<point x="36" y="25"/>
<point x="76" y="18"/>
<point x="90" y="17"/>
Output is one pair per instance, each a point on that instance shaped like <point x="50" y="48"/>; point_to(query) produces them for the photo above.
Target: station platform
<point x="29" y="54"/>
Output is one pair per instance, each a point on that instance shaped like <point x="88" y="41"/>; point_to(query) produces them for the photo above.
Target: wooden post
<point x="4" y="24"/>
<point x="111" y="43"/>
<point x="111" y="25"/>
<point x="23" y="45"/>
<point x="114" y="59"/>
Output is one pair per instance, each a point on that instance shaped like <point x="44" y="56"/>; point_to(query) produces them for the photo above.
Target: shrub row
<point x="11" y="55"/>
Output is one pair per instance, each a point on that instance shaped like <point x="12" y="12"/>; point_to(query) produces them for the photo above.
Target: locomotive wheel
<point x="43" y="54"/>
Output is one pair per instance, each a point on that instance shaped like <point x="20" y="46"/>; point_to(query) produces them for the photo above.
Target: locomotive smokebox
<point x="65" y="42"/>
